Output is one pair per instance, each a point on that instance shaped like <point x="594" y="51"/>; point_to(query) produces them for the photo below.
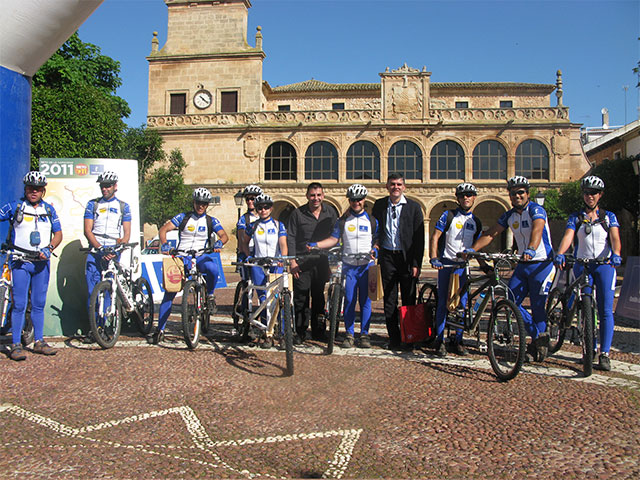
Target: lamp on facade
<point x="539" y="198"/>
<point x="238" y="198"/>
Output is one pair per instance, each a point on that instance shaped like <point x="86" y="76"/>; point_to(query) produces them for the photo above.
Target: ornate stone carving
<point x="405" y="69"/>
<point x="251" y="147"/>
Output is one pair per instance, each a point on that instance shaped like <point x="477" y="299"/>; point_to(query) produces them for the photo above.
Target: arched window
<point x="280" y="162"/>
<point x="489" y="160"/>
<point x="363" y="161"/>
<point x="532" y="160"/>
<point x="447" y="161"/>
<point x="321" y="162"/>
<point x="405" y="157"/>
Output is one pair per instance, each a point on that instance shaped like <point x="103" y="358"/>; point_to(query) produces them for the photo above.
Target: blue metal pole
<point x="15" y="136"/>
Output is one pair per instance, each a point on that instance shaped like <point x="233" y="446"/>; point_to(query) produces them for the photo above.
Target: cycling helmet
<point x="356" y="192"/>
<point x="202" y="195"/>
<point x="517" y="181"/>
<point x="466" y="188"/>
<point x="251" y="190"/>
<point x="592" y="183"/>
<point x="108" y="178"/>
<point x="35" y="179"/>
<point x="264" y="199"/>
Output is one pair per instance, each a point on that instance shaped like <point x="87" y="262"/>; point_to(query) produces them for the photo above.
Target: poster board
<point x="71" y="184"/>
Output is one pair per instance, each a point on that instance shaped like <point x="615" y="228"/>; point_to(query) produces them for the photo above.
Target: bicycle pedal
<point x="482" y="347"/>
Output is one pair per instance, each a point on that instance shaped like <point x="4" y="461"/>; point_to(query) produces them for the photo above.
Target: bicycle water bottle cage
<point x="34" y="238"/>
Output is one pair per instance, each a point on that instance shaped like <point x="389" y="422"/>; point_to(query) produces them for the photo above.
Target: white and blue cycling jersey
<point x="521" y="224"/>
<point x="242" y="225"/>
<point x="41" y="218"/>
<point x="108" y="217"/>
<point x="195" y="235"/>
<point x="358" y="233"/>
<point x="592" y="238"/>
<point x="265" y="236"/>
<point x="463" y="230"/>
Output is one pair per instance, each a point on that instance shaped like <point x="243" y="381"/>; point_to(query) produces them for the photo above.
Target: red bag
<point x="416" y="323"/>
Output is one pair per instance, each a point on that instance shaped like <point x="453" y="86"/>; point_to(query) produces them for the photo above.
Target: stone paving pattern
<point x="227" y="411"/>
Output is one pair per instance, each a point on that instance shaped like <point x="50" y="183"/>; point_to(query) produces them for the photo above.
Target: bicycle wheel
<point x="428" y="295"/>
<point x="286" y="317"/>
<point x="236" y="311"/>
<point x="191" y="298"/>
<point x="335" y="292"/>
<point x="585" y="315"/>
<point x="506" y="340"/>
<point x="104" y="325"/>
<point x="556" y="313"/>
<point x="143" y="300"/>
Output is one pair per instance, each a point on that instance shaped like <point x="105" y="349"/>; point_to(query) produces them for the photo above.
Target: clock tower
<point x="206" y="65"/>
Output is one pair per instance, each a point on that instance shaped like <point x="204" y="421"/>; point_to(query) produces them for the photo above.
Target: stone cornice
<point x="475" y="117"/>
<point x="160" y="57"/>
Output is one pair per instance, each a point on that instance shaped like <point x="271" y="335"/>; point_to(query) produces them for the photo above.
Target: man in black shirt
<point x="309" y="223"/>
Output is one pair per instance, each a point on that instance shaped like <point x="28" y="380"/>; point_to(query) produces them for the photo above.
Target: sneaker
<point x="43" y="348"/>
<point x="542" y="345"/>
<point x="532" y="353"/>
<point x="17" y="353"/>
<point x="297" y="340"/>
<point x="157" y="337"/>
<point x="348" y="342"/>
<point x="267" y="343"/>
<point x="604" y="363"/>
<point x="365" y="341"/>
<point x="441" y="349"/>
<point x="88" y="338"/>
<point x="458" y="348"/>
<point x="211" y="304"/>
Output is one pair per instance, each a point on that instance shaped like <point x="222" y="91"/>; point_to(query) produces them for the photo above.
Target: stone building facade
<point x="208" y="98"/>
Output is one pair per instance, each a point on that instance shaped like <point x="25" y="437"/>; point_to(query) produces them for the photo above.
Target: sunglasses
<point x="355" y="200"/>
<point x="466" y="194"/>
<point x="251" y="199"/>
<point x="591" y="192"/>
<point x="517" y="193"/>
<point x="263" y="207"/>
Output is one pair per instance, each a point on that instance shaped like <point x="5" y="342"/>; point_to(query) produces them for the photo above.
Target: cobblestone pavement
<point x="228" y="411"/>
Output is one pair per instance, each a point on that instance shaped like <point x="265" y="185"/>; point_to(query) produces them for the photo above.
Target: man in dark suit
<point x="401" y="246"/>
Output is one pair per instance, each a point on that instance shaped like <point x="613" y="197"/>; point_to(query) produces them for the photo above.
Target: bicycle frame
<point x="273" y="290"/>
<point x="114" y="273"/>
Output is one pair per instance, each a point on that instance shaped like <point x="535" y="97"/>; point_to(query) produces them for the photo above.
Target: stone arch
<point x="488" y="209"/>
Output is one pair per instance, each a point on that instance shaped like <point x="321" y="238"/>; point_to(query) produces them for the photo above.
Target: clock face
<point x="202" y="99"/>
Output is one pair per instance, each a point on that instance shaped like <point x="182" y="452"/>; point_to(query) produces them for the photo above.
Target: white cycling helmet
<point x="108" y="178"/>
<point x="356" y="192"/>
<point x="254" y="190"/>
<point x="592" y="183"/>
<point x="202" y="195"/>
<point x="466" y="188"/>
<point x="35" y="179"/>
<point x="264" y="199"/>
<point x="517" y="181"/>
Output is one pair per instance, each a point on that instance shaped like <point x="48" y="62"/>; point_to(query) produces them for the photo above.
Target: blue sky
<point x="594" y="43"/>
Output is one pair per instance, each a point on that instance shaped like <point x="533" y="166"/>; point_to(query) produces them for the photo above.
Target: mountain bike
<point x="6" y="295"/>
<point x="334" y="307"/>
<point x="278" y="305"/>
<point x="572" y="311"/>
<point x="196" y="310"/>
<point x="117" y="295"/>
<point x="505" y="332"/>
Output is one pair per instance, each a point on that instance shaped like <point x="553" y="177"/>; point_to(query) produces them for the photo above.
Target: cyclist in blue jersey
<point x="534" y="274"/>
<point x="35" y="231"/>
<point x="596" y="232"/>
<point x="359" y="233"/>
<point x="269" y="240"/>
<point x="249" y="193"/>
<point x="107" y="222"/>
<point x="197" y="231"/>
<point x="455" y="231"/>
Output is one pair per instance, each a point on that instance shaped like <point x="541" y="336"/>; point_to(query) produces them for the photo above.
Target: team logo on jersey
<point x="525" y="224"/>
<point x="113" y="210"/>
<point x="458" y="225"/>
<point x="201" y="228"/>
<point x="351" y="228"/>
<point x="363" y="228"/>
<point x="28" y="218"/>
<point x="260" y="231"/>
<point x="191" y="228"/>
<point x="271" y="231"/>
<point x="102" y="210"/>
<point x="515" y="225"/>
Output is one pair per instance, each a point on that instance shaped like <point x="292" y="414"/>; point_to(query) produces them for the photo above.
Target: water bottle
<point x="476" y="306"/>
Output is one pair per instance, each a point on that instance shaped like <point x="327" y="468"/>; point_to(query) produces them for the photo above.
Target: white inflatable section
<point x="32" y="30"/>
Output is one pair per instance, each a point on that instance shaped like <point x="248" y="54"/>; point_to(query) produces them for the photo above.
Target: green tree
<point x="559" y="204"/>
<point x="163" y="194"/>
<point x="144" y="145"/>
<point x="75" y="111"/>
<point x="621" y="185"/>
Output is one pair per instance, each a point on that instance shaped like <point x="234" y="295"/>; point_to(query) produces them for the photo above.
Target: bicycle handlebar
<point x="110" y="248"/>
<point x="571" y="260"/>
